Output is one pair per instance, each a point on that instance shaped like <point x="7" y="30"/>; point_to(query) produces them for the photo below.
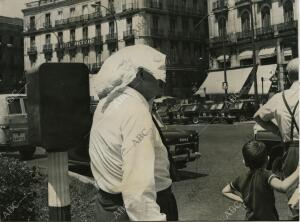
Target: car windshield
<point x="213" y="107"/>
<point x="162" y="109"/>
<point x="220" y="106"/>
<point x="236" y="105"/>
<point x="190" y="108"/>
<point x="14" y="105"/>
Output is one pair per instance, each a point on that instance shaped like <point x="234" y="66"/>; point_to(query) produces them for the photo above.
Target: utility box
<point x="58" y="105"/>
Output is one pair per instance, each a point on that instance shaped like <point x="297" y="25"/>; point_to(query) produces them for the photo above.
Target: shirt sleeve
<point x="267" y="111"/>
<point x="235" y="184"/>
<point x="138" y="184"/>
<point x="269" y="175"/>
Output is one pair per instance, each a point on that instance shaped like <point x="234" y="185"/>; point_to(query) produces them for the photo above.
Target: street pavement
<point x="198" y="193"/>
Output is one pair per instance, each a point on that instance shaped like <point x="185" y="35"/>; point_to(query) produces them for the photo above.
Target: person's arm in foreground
<point x="230" y="193"/>
<point x="284" y="185"/>
<point x="138" y="185"/>
<point x="265" y="114"/>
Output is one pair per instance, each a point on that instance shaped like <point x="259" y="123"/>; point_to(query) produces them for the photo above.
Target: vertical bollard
<point x="58" y="187"/>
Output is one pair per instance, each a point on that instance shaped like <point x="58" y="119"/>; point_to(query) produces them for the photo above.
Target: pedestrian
<point x="128" y="159"/>
<point x="283" y="108"/>
<point x="256" y="186"/>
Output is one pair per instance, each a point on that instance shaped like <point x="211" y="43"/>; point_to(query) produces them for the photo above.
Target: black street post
<point x="254" y="56"/>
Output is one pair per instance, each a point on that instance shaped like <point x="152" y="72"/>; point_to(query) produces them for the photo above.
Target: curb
<point x="83" y="179"/>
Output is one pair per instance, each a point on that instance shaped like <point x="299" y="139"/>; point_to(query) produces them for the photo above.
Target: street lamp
<point x="112" y="12"/>
<point x="254" y="56"/>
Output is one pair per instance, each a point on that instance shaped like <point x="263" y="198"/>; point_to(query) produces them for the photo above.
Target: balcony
<point x="158" y="33"/>
<point x="72" y="45"/>
<point x="31" y="28"/>
<point x="265" y="32"/>
<point x="98" y="40"/>
<point x="156" y="4"/>
<point x="95" y="67"/>
<point x="47" y="25"/>
<point x="86" y="42"/>
<point x="240" y="3"/>
<point x="47" y="48"/>
<point x="246" y="35"/>
<point x="219" y="39"/>
<point x="287" y="26"/>
<point x="32" y="50"/>
<point x="111" y="38"/>
<point x="129" y="7"/>
<point x="59" y="46"/>
<point x="41" y="3"/>
<point x="220" y="5"/>
<point x="129" y="34"/>
<point x="95" y="15"/>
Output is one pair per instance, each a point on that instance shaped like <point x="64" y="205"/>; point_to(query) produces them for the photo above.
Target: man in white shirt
<point x="283" y="107"/>
<point x="128" y="158"/>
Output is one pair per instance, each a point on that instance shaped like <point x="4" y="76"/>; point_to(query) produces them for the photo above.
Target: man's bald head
<point x="293" y="69"/>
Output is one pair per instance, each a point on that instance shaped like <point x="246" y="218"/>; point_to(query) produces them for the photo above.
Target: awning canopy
<point x="267" y="53"/>
<point x="201" y="92"/>
<point x="236" y="78"/>
<point x="265" y="72"/>
<point x="246" y="55"/>
<point x="221" y="58"/>
<point x="287" y="52"/>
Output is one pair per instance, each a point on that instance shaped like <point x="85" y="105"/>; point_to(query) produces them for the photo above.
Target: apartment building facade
<point x="11" y="55"/>
<point x="275" y="36"/>
<point x="89" y="31"/>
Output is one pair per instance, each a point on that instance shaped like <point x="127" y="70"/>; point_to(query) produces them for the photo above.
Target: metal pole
<point x="254" y="57"/>
<point x="225" y="73"/>
<point x="262" y="86"/>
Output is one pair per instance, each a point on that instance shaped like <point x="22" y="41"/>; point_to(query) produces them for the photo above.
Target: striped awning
<point x="266" y="72"/>
<point x="221" y="58"/>
<point x="267" y="53"/>
<point x="246" y="55"/>
<point x="236" y="79"/>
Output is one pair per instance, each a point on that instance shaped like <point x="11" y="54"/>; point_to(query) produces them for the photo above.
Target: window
<point x="32" y="22"/>
<point x="246" y="62"/>
<point x="72" y="57"/>
<point x="172" y="25"/>
<point x="60" y="37"/>
<point x="288" y="11"/>
<point x="72" y="12"/>
<point x="14" y="106"/>
<point x="32" y="41"/>
<point x="173" y="53"/>
<point x="85" y="10"/>
<point x="60" y="15"/>
<point x="111" y="6"/>
<point x="47" y="20"/>
<point x="155" y="20"/>
<point x="221" y="64"/>
<point x="222" y="27"/>
<point x="98" y="30"/>
<point x="129" y="24"/>
<point x="11" y="40"/>
<point x="245" y="22"/>
<point x="48" y="39"/>
<point x="185" y="25"/>
<point x="265" y="17"/>
<point x="85" y="33"/>
<point x="72" y="35"/>
<point x="111" y="27"/>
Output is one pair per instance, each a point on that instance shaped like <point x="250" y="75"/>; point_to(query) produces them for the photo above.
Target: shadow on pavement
<point x="188" y="175"/>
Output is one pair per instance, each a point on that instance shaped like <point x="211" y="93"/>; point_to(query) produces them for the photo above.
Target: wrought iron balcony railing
<point x="59" y="46"/>
<point x="47" y="48"/>
<point x="220" y="4"/>
<point x="72" y="45"/>
<point x="129" y="34"/>
<point x="265" y="31"/>
<point x="47" y="25"/>
<point x="286" y="26"/>
<point x="85" y="42"/>
<point x="32" y="50"/>
<point x="242" y="2"/>
<point x="129" y="7"/>
<point x="98" y="40"/>
<point x="111" y="37"/>
<point x="244" y="35"/>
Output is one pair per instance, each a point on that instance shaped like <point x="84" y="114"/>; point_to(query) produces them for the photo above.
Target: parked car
<point x="273" y="143"/>
<point x="164" y="114"/>
<point x="241" y="110"/>
<point x="183" y="145"/>
<point x="14" y="125"/>
<point x="176" y="112"/>
<point x="190" y="113"/>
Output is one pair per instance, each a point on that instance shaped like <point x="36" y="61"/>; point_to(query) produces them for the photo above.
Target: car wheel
<point x="27" y="153"/>
<point x="195" y="120"/>
<point x="242" y="118"/>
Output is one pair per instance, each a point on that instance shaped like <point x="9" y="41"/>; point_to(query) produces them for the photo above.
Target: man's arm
<point x="230" y="194"/>
<point x="268" y="125"/>
<point x="138" y="184"/>
<point x="283" y="186"/>
<point x="266" y="114"/>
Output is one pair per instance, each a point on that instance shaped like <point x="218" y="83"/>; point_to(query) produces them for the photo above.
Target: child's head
<point x="255" y="154"/>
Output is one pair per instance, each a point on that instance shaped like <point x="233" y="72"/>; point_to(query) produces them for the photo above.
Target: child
<point x="256" y="186"/>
